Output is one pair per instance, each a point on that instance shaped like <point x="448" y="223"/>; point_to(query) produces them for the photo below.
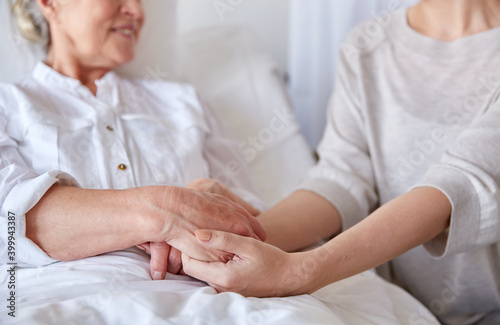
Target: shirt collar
<point x="48" y="76"/>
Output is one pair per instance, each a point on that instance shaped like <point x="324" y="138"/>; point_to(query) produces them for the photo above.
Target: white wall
<point x="269" y="19"/>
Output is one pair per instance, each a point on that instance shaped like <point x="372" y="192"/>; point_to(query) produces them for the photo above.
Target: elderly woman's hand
<point x="70" y="223"/>
<point x="164" y="258"/>
<point x="209" y="185"/>
<point x="184" y="211"/>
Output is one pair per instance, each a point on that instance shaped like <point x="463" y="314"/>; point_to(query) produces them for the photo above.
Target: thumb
<point x="225" y="241"/>
<point x="159" y="259"/>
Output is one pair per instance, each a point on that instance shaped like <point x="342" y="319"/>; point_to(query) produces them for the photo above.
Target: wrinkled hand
<point x="182" y="211"/>
<point x="209" y="185"/>
<point x="257" y="269"/>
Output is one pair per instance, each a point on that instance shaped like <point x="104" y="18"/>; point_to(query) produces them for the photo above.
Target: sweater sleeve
<point x="468" y="173"/>
<point x="344" y="174"/>
<point x="20" y="189"/>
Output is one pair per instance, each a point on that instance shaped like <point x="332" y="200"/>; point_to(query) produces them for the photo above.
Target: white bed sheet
<point x="116" y="288"/>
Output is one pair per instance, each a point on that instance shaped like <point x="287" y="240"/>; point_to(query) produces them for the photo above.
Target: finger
<point x="257" y="230"/>
<point x="174" y="261"/>
<point x="225" y="241"/>
<point x="187" y="243"/>
<point x="199" y="183"/>
<point x="209" y="272"/>
<point x="145" y="247"/>
<point x="159" y="260"/>
<point x="247" y="206"/>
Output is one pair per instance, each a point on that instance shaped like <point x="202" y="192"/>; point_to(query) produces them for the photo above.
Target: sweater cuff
<point x="346" y="205"/>
<point x="21" y="199"/>
<point x="464" y="230"/>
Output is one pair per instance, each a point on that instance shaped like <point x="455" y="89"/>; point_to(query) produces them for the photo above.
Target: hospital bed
<point x="246" y="90"/>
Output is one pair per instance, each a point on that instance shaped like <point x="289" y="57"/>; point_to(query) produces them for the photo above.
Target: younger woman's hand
<point x="257" y="269"/>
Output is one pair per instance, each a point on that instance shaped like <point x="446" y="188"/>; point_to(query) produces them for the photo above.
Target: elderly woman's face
<point x="100" y="32"/>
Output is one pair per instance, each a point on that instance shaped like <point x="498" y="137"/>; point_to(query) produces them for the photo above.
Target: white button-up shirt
<point x="132" y="133"/>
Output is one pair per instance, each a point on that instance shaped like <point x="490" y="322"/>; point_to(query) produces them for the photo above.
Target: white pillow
<point x="155" y="57"/>
<point x="243" y="85"/>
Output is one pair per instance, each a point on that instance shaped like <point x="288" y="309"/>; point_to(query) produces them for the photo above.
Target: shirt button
<point x="109" y="127"/>
<point x="122" y="167"/>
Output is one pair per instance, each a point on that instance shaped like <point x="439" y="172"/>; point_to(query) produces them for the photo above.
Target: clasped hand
<point x="203" y="204"/>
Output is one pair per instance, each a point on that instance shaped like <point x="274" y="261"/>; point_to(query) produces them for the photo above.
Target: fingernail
<point x="203" y="235"/>
<point x="158" y="276"/>
<point x="141" y="247"/>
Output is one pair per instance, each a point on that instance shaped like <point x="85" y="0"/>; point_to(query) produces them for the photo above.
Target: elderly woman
<point x="86" y="167"/>
<point x="409" y="172"/>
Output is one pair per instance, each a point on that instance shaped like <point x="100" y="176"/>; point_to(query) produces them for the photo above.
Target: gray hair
<point x="31" y="22"/>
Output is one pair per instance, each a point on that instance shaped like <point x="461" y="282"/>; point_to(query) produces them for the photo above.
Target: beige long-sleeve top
<point x="412" y="111"/>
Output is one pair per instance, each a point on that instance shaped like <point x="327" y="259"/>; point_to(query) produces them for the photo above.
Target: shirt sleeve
<point x="468" y="173"/>
<point x="344" y="174"/>
<point x="226" y="163"/>
<point x="20" y="189"/>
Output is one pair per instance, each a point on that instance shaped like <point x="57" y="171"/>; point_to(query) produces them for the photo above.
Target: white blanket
<point x="116" y="288"/>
